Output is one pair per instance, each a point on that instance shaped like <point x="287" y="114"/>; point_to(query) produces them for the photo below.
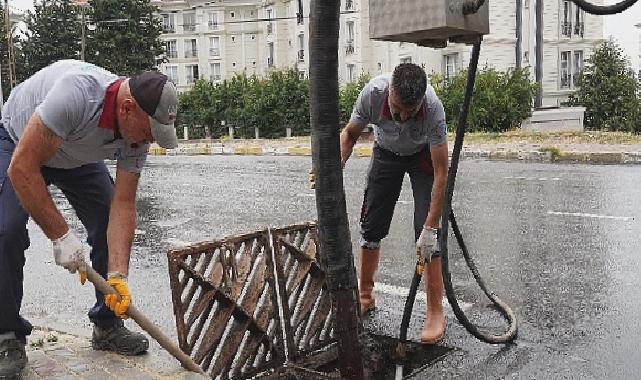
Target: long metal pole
<point x="146" y="324"/>
<point x="82" y="50"/>
<point x="538" y="70"/>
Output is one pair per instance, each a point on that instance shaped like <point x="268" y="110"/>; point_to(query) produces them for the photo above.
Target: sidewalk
<point x="61" y="356"/>
<point x="552" y="148"/>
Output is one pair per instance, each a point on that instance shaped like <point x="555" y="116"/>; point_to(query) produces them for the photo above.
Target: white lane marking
<point x="534" y="178"/>
<point x="402" y="292"/>
<point x="306" y="195"/>
<point x="586" y="215"/>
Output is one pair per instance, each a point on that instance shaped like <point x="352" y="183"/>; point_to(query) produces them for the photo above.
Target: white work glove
<point x="70" y="254"/>
<point x="427" y="243"/>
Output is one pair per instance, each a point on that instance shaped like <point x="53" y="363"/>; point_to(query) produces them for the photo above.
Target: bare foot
<point x="433" y="328"/>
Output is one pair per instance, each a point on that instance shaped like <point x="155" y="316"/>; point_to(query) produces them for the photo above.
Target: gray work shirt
<point x="403" y="138"/>
<point x="76" y="101"/>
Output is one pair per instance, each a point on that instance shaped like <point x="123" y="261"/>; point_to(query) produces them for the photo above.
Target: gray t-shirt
<point x="69" y="97"/>
<point x="406" y="138"/>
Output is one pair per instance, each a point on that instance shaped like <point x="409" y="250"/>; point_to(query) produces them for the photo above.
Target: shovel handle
<point x="146" y="324"/>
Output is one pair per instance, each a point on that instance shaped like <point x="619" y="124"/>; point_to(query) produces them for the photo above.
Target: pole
<point x="335" y="243"/>
<point x="538" y="71"/>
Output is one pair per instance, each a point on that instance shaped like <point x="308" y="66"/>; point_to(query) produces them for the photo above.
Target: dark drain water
<point x="379" y="359"/>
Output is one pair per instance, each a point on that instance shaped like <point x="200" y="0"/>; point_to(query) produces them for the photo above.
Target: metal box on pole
<point x="426" y="22"/>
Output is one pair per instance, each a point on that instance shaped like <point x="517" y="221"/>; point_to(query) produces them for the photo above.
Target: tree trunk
<point x="335" y="242"/>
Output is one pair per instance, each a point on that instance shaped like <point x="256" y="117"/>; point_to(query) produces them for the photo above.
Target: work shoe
<point x="368" y="266"/>
<point x="13" y="359"/>
<point x="119" y="340"/>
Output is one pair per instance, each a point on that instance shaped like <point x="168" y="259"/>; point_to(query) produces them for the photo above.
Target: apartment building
<point x="209" y="40"/>
<point x="215" y="40"/>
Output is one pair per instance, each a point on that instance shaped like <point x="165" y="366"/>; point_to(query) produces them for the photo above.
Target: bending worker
<point x="410" y="137"/>
<point x="57" y="128"/>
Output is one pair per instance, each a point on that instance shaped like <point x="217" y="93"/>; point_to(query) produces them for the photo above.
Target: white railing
<point x="301" y="55"/>
<point x="214" y="52"/>
<point x="191" y="53"/>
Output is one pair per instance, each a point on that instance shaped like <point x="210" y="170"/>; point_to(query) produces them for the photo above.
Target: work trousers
<point x="89" y="190"/>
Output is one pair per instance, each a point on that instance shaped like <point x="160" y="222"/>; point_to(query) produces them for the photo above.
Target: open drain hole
<point x="379" y="360"/>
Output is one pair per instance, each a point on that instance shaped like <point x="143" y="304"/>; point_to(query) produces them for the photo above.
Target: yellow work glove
<point x="118" y="306"/>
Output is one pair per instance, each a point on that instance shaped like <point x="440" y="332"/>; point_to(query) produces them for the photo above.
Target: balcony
<point x="191" y="53"/>
<point x="214" y="52"/>
<point x="349" y="47"/>
<point x="191" y="78"/>
<point x="270" y="62"/>
<point x="172" y="54"/>
<point x="566" y="29"/>
<point x="300" y="20"/>
<point x="215" y="78"/>
<point x="301" y="55"/>
<point x="213" y="25"/>
<point x="189" y="27"/>
<point x="349" y="5"/>
<point x="270" y="28"/>
<point x="168" y="28"/>
<point x="578" y="29"/>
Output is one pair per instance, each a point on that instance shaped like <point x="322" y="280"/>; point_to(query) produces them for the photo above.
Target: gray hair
<point x="409" y="83"/>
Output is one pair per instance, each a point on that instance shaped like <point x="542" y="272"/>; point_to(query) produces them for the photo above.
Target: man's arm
<point x="122" y="221"/>
<point x="349" y="136"/>
<point x="36" y="146"/>
<point x="440" y="162"/>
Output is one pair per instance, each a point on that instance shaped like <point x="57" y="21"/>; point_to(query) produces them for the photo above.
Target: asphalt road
<point x="558" y="243"/>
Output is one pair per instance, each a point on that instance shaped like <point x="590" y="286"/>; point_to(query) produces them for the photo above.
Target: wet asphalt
<point x="558" y="243"/>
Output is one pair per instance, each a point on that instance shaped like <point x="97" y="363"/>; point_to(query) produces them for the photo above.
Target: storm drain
<point x="253" y="304"/>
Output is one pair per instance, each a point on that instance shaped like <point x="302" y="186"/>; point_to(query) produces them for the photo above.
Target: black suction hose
<point x="448" y="216"/>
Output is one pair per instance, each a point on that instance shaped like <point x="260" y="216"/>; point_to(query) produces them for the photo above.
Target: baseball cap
<point x="156" y="95"/>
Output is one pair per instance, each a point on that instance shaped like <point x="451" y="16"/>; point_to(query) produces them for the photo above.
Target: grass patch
<point x="554" y="152"/>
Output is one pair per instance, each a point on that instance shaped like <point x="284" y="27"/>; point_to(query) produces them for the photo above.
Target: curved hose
<point x="448" y="216"/>
<point x="470" y="7"/>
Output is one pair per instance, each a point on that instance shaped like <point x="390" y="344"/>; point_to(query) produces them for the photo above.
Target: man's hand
<point x="69" y="253"/>
<point x="118" y="306"/>
<point x="427" y="243"/>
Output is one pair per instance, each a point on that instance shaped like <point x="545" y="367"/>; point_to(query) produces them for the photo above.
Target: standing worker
<point x="57" y="128"/>
<point x="410" y="136"/>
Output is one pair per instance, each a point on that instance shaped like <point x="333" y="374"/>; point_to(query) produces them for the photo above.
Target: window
<point x="380" y="67"/>
<point x="301" y="47"/>
<point x="170" y="49"/>
<point x="450" y="63"/>
<point x="270" y="56"/>
<point x="349" y="46"/>
<point x="215" y="72"/>
<point x="213" y="21"/>
<point x="349" y="5"/>
<point x="570" y="65"/>
<point x="233" y="38"/>
<point x="350" y="73"/>
<point x="191" y="49"/>
<point x="168" y="23"/>
<point x="406" y="60"/>
<point x="189" y="22"/>
<point x="270" y="26"/>
<point x="578" y="21"/>
<point x="566" y="24"/>
<point x="232" y="14"/>
<point x="192" y="73"/>
<point x="214" y="46"/>
<point x="172" y="73"/>
<point x="577" y="67"/>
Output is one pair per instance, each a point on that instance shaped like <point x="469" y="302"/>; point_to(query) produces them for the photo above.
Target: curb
<point x="552" y="155"/>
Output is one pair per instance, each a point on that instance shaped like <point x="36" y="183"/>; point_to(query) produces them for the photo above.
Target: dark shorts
<point x="384" y="182"/>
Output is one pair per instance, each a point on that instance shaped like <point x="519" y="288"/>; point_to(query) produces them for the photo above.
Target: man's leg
<point x="14" y="240"/>
<point x="422" y="179"/>
<point x="384" y="182"/>
<point x="89" y="190"/>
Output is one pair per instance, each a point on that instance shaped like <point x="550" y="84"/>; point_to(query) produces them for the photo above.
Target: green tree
<point x="348" y="96"/>
<point x="500" y="102"/>
<point x="126" y="39"/>
<point x="608" y="90"/>
<point x="53" y="33"/>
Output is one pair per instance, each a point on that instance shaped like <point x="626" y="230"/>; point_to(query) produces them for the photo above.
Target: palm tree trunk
<point x="335" y="243"/>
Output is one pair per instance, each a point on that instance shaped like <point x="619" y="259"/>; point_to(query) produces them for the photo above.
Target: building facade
<point x="215" y="40"/>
